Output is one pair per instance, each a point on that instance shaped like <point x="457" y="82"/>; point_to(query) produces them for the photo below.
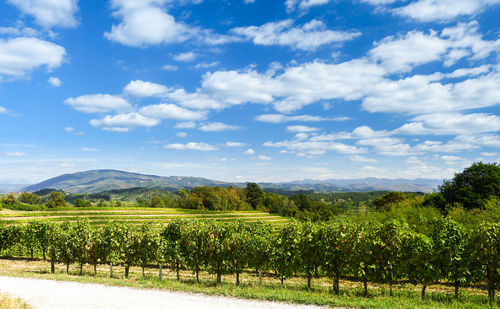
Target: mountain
<point x="105" y="180"/>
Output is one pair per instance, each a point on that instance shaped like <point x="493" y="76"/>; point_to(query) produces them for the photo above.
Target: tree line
<point x="376" y="252"/>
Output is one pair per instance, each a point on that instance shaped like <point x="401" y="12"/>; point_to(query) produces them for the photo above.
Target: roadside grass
<point x="294" y="291"/>
<point x="8" y="302"/>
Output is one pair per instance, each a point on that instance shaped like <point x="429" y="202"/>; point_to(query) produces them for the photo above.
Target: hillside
<point x="106" y="180"/>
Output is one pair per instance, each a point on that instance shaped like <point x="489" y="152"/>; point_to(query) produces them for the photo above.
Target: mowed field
<point x="134" y="215"/>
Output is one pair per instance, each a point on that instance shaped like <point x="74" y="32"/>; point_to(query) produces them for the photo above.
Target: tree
<point x="309" y="249"/>
<point x="285" y="251"/>
<point x="80" y="236"/>
<point x="43" y="236"/>
<point x="473" y="186"/>
<point x="56" y="200"/>
<point x="112" y="240"/>
<point x="195" y="244"/>
<point x="218" y="248"/>
<point x="129" y="247"/>
<point x="170" y="249"/>
<point x="363" y="263"/>
<point x="450" y="242"/>
<point x="29" y="237"/>
<point x="421" y="260"/>
<point x="260" y="251"/>
<point x="82" y="203"/>
<point x="147" y="247"/>
<point x="486" y="250"/>
<point x="387" y="201"/>
<point x="63" y="247"/>
<point x="30" y="198"/>
<point x="98" y="251"/>
<point x="157" y="201"/>
<point x="10" y="199"/>
<point x="239" y="247"/>
<point x="338" y="241"/>
<point x="254" y="194"/>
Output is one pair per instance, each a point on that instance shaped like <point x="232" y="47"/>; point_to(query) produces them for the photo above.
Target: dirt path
<point x="48" y="294"/>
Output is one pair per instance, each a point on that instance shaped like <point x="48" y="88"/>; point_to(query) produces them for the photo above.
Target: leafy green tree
<point x="309" y="249"/>
<point x="98" y="251"/>
<point x="112" y="241"/>
<point x="338" y="241"/>
<point x="30" y="198"/>
<point x="56" y="200"/>
<point x="8" y="236"/>
<point x="261" y="239"/>
<point x="389" y="250"/>
<point x="30" y="240"/>
<point x="80" y="237"/>
<point x="129" y="247"/>
<point x="254" y="195"/>
<point x="82" y="203"/>
<point x="54" y="247"/>
<point x="148" y="246"/>
<point x="285" y="251"/>
<point x="218" y="248"/>
<point x="10" y="199"/>
<point x="364" y="262"/>
<point x="157" y="201"/>
<point x="450" y="242"/>
<point x="63" y="244"/>
<point x="421" y="261"/>
<point x="473" y="186"/>
<point x="171" y="252"/>
<point x="390" y="199"/>
<point x="239" y="247"/>
<point x="195" y="244"/>
<point x="486" y="250"/>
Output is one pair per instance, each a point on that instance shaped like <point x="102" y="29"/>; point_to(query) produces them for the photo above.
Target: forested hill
<point x="105" y="180"/>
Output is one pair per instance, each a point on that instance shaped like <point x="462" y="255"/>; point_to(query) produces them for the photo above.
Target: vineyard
<point x="372" y="254"/>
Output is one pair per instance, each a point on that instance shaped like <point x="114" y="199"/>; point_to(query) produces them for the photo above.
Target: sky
<point x="249" y="90"/>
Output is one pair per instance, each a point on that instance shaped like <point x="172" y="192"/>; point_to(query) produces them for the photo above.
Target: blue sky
<point x="248" y="90"/>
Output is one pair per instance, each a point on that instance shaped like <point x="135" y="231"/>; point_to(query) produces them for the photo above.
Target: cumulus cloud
<point x="451" y="124"/>
<point x="142" y="89"/>
<point x="217" y="126"/>
<point x="144" y="23"/>
<point x="264" y="158"/>
<point x="99" y="103"/>
<point x="249" y="151"/>
<point x="186" y="125"/>
<point x="302" y="146"/>
<point x="235" y="144"/>
<point x="191" y="146"/>
<point x="303" y="4"/>
<point x="49" y="13"/>
<point x="280" y="118"/>
<point x="124" y="122"/>
<point x="185" y="57"/>
<point x="443" y="10"/>
<point x="20" y="56"/>
<point x="171" y="111"/>
<point x="69" y="129"/>
<point x="54" y="81"/>
<point x="309" y="36"/>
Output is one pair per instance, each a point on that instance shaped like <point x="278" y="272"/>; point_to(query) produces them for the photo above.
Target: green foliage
<point x="285" y="251"/>
<point x="56" y="200"/>
<point x="10" y="199"/>
<point x="389" y="200"/>
<point x="254" y="195"/>
<point x="82" y="203"/>
<point x="170" y="245"/>
<point x="29" y="198"/>
<point x="473" y="186"/>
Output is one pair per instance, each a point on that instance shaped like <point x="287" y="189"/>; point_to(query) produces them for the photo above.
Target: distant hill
<point x="105" y="180"/>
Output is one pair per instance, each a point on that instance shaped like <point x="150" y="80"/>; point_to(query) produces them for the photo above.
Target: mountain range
<point x="103" y="180"/>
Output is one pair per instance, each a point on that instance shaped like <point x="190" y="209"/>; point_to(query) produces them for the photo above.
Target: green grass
<point x="133" y="215"/>
<point x="295" y="290"/>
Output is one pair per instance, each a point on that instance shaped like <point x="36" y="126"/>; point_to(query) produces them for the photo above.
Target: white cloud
<point x="186" y="125"/>
<point x="304" y="4"/>
<point x="99" y="103"/>
<point x="20" y="56"/>
<point x="145" y="23"/>
<point x="54" y="81"/>
<point x="90" y="149"/>
<point x="49" y="13"/>
<point x="387" y="146"/>
<point x="235" y="144"/>
<point x="301" y="129"/>
<point x="195" y="100"/>
<point x="264" y="158"/>
<point x="171" y="111"/>
<point x="217" y="126"/>
<point x="142" y="89"/>
<point x="185" y="57"/>
<point x="249" y="151"/>
<point x="181" y="134"/>
<point x="206" y="65"/>
<point x="191" y="146"/>
<point x="279" y="118"/>
<point x="303" y="147"/>
<point x="357" y="158"/>
<point x="451" y="124"/>
<point x="443" y="10"/>
<point x="124" y="122"/>
<point x="309" y="36"/>
<point x="170" y="67"/>
<point x="69" y="129"/>
<point x="16" y="154"/>
<point x="3" y="110"/>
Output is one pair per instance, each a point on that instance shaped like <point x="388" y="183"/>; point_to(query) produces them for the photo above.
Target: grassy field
<point x="136" y="215"/>
<point x="295" y="291"/>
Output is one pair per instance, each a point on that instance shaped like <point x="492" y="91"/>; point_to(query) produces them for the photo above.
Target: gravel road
<point x="51" y="294"/>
